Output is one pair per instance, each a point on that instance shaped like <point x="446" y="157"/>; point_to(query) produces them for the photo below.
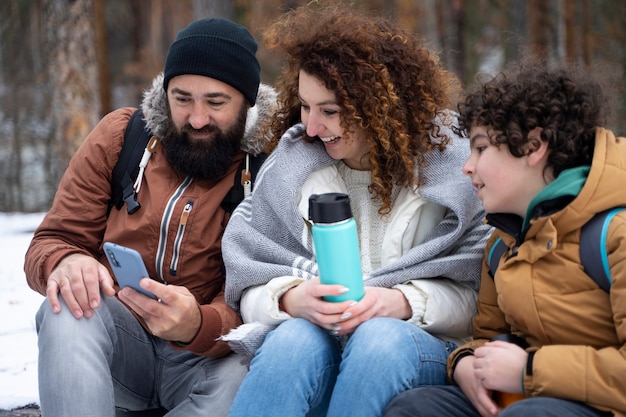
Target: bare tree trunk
<point x="14" y="185"/>
<point x="539" y="25"/>
<point x="516" y="17"/>
<point x="73" y="74"/>
<point x="569" y="17"/>
<point x="586" y="34"/>
<point x="424" y="20"/>
<point x="24" y="108"/>
<point x="213" y="8"/>
<point x="442" y="34"/>
<point x="458" y="19"/>
<point x="11" y="105"/>
<point x="167" y="18"/>
<point x="104" y="79"/>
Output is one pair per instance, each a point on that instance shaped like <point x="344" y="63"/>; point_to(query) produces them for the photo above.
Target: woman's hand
<point x="306" y="301"/>
<point x="377" y="302"/>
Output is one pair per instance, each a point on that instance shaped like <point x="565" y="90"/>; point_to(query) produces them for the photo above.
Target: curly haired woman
<point x="363" y="112"/>
<point x="543" y="167"/>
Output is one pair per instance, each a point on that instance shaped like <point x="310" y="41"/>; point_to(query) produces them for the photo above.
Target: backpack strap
<point x="495" y="254"/>
<point x="136" y="138"/>
<point x="236" y="193"/>
<point x="593" y="254"/>
<point x="126" y="170"/>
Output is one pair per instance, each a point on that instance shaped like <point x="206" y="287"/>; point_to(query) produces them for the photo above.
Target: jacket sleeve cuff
<point x="441" y="306"/>
<point x="454" y="359"/>
<point x="527" y="375"/>
<point x="417" y="301"/>
<point x="205" y="341"/>
<point x="261" y="303"/>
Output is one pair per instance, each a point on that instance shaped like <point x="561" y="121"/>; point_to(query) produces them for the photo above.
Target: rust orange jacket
<point x="177" y="230"/>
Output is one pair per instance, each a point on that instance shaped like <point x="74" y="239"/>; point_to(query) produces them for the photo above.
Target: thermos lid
<point x="329" y="208"/>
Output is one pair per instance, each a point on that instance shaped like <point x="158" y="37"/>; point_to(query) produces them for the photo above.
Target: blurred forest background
<point x="66" y="63"/>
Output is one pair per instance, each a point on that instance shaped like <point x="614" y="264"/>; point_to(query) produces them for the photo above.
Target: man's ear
<point x="537" y="148"/>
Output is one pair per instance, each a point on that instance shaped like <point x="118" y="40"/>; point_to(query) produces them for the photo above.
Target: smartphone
<point x="128" y="266"/>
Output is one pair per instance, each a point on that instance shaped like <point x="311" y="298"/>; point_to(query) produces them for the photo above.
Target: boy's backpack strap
<point x="136" y="138"/>
<point x="237" y="192"/>
<point x="495" y="254"/>
<point x="593" y="254"/>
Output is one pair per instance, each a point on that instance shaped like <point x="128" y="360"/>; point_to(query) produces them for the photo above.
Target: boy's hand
<point x="499" y="365"/>
<point x="472" y="387"/>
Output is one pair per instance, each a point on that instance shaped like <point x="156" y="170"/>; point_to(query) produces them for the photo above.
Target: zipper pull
<point x="184" y="217"/>
<point x="246" y="178"/>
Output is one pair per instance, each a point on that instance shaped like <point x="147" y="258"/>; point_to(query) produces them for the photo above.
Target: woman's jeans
<point x="301" y="369"/>
<point x="87" y="367"/>
<point x="450" y="401"/>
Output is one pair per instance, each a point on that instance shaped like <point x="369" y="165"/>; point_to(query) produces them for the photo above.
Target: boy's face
<point x="501" y="179"/>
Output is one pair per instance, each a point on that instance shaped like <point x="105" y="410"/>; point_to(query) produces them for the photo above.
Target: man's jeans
<point x="89" y="366"/>
<point x="301" y="369"/>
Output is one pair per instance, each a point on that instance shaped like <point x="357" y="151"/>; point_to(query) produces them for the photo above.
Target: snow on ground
<point x="18" y="305"/>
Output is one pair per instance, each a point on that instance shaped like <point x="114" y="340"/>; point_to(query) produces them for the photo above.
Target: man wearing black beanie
<point x="104" y="349"/>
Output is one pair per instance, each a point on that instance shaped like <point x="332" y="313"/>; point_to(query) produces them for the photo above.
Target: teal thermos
<point x="336" y="244"/>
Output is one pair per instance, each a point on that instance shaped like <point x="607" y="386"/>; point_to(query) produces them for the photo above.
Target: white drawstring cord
<point x="151" y="148"/>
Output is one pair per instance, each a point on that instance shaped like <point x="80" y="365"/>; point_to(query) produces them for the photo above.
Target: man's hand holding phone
<point x="171" y="312"/>
<point x="176" y="316"/>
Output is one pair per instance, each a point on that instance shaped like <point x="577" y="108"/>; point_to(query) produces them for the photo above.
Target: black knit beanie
<point x="216" y="48"/>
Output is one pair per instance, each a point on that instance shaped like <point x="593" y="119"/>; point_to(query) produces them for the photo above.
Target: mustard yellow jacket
<point x="576" y="331"/>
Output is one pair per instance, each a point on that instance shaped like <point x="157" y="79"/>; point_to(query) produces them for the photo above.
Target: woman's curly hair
<point x="385" y="82"/>
<point x="566" y="104"/>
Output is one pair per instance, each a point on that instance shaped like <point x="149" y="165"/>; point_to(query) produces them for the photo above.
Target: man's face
<point x="209" y="120"/>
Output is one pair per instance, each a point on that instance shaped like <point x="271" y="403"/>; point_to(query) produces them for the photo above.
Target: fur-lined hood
<point x="154" y="107"/>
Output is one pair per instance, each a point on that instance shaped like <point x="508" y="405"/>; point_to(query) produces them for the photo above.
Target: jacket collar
<point x="554" y="197"/>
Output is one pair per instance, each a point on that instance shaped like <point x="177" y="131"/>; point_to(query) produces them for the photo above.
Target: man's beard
<point x="207" y="158"/>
